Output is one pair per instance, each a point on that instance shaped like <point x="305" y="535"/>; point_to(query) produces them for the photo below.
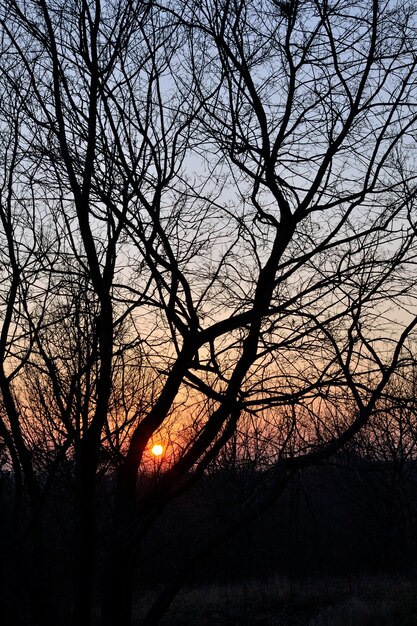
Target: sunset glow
<point x="157" y="449"/>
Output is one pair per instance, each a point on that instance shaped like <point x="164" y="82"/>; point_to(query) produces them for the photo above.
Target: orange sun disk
<point x="157" y="449"/>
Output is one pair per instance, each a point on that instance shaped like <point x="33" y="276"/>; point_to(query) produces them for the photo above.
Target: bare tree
<point x="383" y="457"/>
<point x="229" y="193"/>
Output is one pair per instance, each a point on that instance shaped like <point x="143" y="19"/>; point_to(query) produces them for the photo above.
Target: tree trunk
<point x="40" y="609"/>
<point x="116" y="605"/>
<point x="86" y="544"/>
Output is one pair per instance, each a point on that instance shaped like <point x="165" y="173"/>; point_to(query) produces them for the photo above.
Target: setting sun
<point x="157" y="449"/>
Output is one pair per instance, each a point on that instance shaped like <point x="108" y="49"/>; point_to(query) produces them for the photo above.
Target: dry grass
<point x="360" y="601"/>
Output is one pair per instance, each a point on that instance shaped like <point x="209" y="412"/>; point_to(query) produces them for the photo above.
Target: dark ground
<point x="371" y="601"/>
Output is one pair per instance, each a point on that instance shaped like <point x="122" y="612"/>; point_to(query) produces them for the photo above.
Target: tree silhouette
<point x="208" y="234"/>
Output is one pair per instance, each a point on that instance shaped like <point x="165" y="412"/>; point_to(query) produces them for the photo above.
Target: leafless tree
<point x="383" y="456"/>
<point x="217" y="201"/>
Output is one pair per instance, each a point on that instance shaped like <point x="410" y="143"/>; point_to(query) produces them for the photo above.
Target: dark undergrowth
<point x="354" y="601"/>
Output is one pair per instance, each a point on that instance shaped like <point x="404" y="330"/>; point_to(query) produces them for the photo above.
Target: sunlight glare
<point x="157" y="449"/>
